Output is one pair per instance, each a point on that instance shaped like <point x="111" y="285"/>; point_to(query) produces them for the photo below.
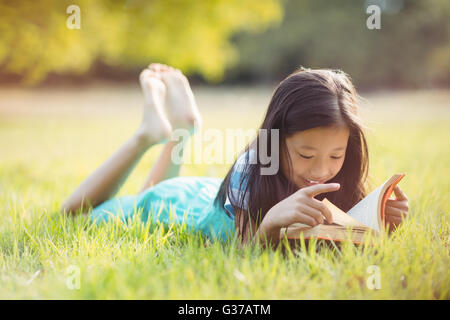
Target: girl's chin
<point x="301" y="183"/>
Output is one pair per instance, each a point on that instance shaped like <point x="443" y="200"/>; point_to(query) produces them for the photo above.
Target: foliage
<point x="192" y="35"/>
<point x="47" y="151"/>
<point x="412" y="48"/>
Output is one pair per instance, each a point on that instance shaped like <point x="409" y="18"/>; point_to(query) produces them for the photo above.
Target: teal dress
<point x="179" y="200"/>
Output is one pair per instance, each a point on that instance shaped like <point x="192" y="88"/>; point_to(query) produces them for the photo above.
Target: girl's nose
<point x="319" y="174"/>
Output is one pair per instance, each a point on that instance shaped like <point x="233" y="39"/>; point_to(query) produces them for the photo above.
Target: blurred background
<point x="69" y="90"/>
<point x="225" y="41"/>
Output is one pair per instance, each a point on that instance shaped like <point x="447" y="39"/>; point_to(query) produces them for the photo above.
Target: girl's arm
<point x="268" y="234"/>
<point x="300" y="207"/>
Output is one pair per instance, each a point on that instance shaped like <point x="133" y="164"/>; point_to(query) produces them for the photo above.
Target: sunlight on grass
<point x="46" y="151"/>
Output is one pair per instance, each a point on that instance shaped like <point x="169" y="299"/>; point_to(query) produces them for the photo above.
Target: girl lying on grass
<point x="321" y="147"/>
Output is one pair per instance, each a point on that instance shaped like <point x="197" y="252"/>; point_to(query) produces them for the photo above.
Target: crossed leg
<point x="165" y="89"/>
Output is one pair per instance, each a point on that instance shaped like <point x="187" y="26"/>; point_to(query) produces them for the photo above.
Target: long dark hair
<point x="306" y="99"/>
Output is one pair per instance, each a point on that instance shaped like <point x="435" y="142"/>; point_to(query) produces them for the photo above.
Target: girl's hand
<point x="396" y="210"/>
<point x="301" y="207"/>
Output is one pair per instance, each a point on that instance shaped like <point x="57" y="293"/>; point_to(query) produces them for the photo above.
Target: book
<point x="367" y="216"/>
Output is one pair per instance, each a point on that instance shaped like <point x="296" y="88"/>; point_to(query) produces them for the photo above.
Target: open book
<point x="367" y="216"/>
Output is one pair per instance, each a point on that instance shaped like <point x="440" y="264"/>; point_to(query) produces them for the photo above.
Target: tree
<point x="35" y="39"/>
<point x="412" y="48"/>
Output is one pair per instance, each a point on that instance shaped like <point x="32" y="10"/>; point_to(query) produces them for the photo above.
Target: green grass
<point x="51" y="140"/>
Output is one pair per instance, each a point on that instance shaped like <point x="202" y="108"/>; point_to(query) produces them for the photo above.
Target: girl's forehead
<point x="320" y="137"/>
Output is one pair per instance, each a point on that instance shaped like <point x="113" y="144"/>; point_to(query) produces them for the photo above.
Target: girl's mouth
<point x="312" y="182"/>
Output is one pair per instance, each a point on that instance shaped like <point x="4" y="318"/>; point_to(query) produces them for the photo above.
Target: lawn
<point x="51" y="139"/>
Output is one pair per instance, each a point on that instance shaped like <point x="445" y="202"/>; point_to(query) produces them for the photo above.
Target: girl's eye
<point x="306" y="157"/>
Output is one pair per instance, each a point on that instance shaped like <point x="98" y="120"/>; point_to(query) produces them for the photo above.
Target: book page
<point x="365" y="211"/>
<point x="340" y="217"/>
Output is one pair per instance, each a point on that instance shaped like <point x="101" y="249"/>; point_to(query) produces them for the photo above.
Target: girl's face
<point x="316" y="154"/>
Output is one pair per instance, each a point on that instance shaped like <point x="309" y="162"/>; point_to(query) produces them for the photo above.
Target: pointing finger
<point x="314" y="190"/>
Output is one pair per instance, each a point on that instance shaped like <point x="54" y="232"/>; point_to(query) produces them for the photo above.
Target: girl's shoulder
<point x="247" y="157"/>
<point x="238" y="182"/>
<point x="238" y="176"/>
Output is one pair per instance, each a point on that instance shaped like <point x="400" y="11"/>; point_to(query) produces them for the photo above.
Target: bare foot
<point x="155" y="127"/>
<point x="181" y="107"/>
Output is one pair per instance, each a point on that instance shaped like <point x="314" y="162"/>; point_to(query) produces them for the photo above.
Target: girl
<point x="323" y="153"/>
<point x="321" y="147"/>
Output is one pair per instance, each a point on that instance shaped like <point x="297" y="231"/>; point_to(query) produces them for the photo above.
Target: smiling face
<point x="316" y="154"/>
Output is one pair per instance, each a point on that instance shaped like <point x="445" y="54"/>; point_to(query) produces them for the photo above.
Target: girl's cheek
<point x="339" y="167"/>
<point x="300" y="169"/>
<point x="336" y="170"/>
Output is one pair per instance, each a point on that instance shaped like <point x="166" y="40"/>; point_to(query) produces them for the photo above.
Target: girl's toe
<point x="156" y="67"/>
<point x="144" y="74"/>
<point x="155" y="74"/>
